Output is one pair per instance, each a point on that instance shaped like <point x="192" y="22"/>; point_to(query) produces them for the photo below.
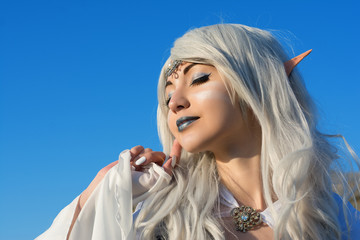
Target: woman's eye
<point x="168" y="99"/>
<point x="201" y="79"/>
<point x="197" y="81"/>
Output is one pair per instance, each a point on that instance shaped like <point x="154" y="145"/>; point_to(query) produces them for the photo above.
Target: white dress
<point x="107" y="214"/>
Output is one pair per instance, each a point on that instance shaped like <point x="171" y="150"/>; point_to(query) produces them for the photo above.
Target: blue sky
<point x="78" y="85"/>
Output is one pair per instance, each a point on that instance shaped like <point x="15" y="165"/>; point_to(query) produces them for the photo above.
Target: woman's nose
<point x="178" y="101"/>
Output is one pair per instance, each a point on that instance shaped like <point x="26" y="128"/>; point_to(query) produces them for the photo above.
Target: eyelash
<point x="167" y="101"/>
<point x="197" y="81"/>
<point x="200" y="80"/>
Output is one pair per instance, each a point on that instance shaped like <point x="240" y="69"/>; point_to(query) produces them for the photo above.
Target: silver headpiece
<point x="173" y="65"/>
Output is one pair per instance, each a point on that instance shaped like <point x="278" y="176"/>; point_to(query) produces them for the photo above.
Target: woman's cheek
<point x="171" y="124"/>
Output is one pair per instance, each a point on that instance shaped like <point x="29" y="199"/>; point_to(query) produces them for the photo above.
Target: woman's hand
<point x="142" y="157"/>
<point x="139" y="158"/>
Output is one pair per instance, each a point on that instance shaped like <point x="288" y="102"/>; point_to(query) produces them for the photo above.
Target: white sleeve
<point x="61" y="224"/>
<point x="107" y="214"/>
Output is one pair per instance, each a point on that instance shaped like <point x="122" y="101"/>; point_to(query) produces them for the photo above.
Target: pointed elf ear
<point x="289" y="65"/>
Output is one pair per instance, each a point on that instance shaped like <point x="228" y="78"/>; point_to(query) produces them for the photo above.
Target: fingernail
<point x="166" y="159"/>
<point x="173" y="161"/>
<point x="140" y="160"/>
<point x="133" y="168"/>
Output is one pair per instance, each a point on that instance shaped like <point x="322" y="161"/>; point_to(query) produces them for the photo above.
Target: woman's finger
<point x="175" y="152"/>
<point x="174" y="157"/>
<point x="137" y="154"/>
<point x="149" y="157"/>
<point x="135" y="151"/>
<point x="140" y="158"/>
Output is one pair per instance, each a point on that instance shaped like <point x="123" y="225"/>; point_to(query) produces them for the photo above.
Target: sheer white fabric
<point x="60" y="226"/>
<point x="108" y="215"/>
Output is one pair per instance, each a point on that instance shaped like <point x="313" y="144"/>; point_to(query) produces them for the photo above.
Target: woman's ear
<point x="291" y="64"/>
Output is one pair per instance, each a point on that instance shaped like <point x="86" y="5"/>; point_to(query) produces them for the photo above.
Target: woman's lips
<point x="183" y="122"/>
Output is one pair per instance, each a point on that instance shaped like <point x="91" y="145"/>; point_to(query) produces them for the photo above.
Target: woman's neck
<point x="239" y="169"/>
<point x="242" y="177"/>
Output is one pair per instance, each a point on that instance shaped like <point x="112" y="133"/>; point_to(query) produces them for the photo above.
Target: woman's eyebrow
<point x="186" y="70"/>
<point x="189" y="67"/>
<point x="168" y="83"/>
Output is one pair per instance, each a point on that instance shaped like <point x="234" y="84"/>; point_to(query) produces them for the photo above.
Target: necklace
<point x="245" y="218"/>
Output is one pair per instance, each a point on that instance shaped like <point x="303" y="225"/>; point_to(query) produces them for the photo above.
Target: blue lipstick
<point x="183" y="122"/>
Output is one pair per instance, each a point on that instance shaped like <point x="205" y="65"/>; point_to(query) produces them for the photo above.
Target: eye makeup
<point x="198" y="78"/>
<point x="168" y="99"/>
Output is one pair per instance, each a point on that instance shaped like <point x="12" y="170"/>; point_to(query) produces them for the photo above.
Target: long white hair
<point x="295" y="157"/>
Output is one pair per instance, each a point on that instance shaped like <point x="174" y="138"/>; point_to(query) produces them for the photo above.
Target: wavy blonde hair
<point x="295" y="157"/>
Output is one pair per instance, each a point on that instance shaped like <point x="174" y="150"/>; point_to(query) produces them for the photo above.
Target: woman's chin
<point x="192" y="148"/>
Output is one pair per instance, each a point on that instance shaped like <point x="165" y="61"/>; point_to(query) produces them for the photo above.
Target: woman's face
<point x="201" y="115"/>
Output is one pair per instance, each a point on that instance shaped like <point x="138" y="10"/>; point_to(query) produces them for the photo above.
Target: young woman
<point x="246" y="160"/>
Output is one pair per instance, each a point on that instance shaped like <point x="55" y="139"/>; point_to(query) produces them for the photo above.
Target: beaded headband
<point x="288" y="65"/>
<point x="173" y="65"/>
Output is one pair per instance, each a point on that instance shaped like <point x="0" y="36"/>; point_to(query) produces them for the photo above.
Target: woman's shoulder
<point x="348" y="217"/>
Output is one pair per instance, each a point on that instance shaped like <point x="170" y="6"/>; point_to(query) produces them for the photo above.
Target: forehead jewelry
<point x="245" y="218"/>
<point x="288" y="65"/>
<point x="172" y="67"/>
